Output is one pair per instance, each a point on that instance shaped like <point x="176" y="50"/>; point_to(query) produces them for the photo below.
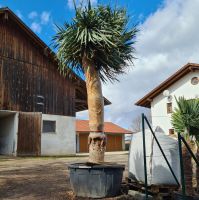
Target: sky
<point x="42" y="15"/>
<point x="167" y="40"/>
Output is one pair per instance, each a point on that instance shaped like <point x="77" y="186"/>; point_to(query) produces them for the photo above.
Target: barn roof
<point x="81" y="99"/>
<point x="109" y="127"/>
<point x="146" y="100"/>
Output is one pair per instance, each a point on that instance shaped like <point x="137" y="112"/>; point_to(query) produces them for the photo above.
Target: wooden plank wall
<point x="26" y="72"/>
<point x="114" y="142"/>
<point x="83" y="142"/>
<point x="29" y="134"/>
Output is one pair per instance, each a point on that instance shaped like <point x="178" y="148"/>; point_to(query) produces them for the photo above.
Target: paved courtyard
<point x="43" y="178"/>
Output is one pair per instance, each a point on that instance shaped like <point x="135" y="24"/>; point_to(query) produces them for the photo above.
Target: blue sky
<point x="33" y="11"/>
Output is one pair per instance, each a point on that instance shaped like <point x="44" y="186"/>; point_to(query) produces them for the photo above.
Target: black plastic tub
<point x="179" y="196"/>
<point x="96" y="181"/>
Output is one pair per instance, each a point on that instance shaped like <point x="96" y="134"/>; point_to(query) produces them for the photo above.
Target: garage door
<point x="114" y="143"/>
<point x="83" y="143"/>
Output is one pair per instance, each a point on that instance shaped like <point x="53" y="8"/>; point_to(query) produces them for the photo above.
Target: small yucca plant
<point x="185" y="120"/>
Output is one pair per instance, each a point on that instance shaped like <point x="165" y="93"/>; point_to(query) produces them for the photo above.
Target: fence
<point x="180" y="141"/>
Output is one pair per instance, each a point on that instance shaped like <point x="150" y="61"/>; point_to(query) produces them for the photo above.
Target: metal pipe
<point x="181" y="166"/>
<point x="190" y="151"/>
<point x="144" y="155"/>
<point x="162" y="151"/>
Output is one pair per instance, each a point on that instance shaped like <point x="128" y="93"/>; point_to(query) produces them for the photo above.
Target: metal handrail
<point x="180" y="140"/>
<point x="190" y="151"/>
<point x="144" y="153"/>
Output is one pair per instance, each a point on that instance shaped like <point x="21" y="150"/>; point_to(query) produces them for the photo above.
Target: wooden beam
<point x="80" y="101"/>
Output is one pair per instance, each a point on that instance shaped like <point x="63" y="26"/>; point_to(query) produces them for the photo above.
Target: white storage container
<point x="157" y="169"/>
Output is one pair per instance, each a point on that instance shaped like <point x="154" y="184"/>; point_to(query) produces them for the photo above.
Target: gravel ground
<point x="43" y="178"/>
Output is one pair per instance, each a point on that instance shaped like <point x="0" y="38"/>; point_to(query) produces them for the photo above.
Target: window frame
<point x="169" y="108"/>
<point x="54" y="126"/>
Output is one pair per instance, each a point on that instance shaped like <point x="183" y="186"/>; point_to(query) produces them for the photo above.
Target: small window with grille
<point x="171" y="131"/>
<point x="169" y="108"/>
<point x="49" y="126"/>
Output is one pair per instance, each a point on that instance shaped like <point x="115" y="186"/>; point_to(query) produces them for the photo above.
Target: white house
<point x="161" y="100"/>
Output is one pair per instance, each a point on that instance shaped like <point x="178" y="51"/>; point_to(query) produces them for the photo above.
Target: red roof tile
<point x="109" y="127"/>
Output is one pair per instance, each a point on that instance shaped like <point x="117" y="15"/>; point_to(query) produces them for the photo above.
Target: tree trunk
<point x="188" y="171"/>
<point x="97" y="138"/>
<point x="197" y="170"/>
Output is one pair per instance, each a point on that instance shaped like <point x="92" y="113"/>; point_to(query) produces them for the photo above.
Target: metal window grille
<point x="169" y="108"/>
<point x="49" y="126"/>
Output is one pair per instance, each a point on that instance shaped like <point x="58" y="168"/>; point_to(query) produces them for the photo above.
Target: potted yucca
<point x="99" y="43"/>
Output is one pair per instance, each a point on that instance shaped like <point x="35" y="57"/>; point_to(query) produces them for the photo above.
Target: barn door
<point x="29" y="134"/>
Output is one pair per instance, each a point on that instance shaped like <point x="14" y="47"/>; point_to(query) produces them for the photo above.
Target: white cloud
<point x="19" y="14"/>
<point x="36" y="27"/>
<point x="79" y="2"/>
<point x="39" y="20"/>
<point x="32" y="15"/>
<point x="45" y="17"/>
<point x="168" y="39"/>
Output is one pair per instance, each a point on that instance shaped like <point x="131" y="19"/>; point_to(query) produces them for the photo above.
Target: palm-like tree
<point x="185" y="121"/>
<point x="98" y="43"/>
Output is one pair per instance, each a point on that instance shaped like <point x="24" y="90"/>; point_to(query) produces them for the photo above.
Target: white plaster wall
<point x="16" y="123"/>
<point x="77" y="142"/>
<point x="8" y="134"/>
<point x="63" y="142"/>
<point x="182" y="87"/>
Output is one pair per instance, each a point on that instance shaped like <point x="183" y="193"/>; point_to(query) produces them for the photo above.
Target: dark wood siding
<point x="29" y="134"/>
<point x="30" y="80"/>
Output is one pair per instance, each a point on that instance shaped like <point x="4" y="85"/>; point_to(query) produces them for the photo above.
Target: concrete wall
<point x="182" y="87"/>
<point x="8" y="134"/>
<point x="63" y="141"/>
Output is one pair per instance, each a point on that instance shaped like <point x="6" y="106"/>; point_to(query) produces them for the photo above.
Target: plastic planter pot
<point x="179" y="196"/>
<point x="96" y="181"/>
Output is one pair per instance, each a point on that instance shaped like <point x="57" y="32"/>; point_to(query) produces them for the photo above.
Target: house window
<point x="49" y="126"/>
<point x="171" y="131"/>
<point x="169" y="108"/>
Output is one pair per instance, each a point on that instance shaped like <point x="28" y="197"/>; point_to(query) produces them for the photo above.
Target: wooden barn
<point x="115" y="136"/>
<point x="37" y="103"/>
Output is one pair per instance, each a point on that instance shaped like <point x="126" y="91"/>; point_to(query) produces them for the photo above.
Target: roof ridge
<point x="110" y="127"/>
<point x="185" y="69"/>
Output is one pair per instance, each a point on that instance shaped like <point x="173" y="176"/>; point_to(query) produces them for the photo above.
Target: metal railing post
<point x="190" y="151"/>
<point x="144" y="155"/>
<point x="181" y="166"/>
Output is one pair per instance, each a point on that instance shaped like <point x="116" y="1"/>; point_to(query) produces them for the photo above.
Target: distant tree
<point x="99" y="43"/>
<point x="136" y="124"/>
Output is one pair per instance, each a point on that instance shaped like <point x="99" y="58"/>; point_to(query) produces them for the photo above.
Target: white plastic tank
<point x="157" y="169"/>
